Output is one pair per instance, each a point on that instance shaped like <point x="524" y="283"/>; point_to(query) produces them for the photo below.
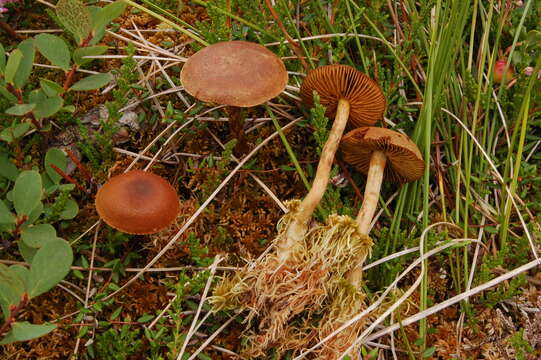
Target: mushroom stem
<point x="371" y="191"/>
<point x="236" y="126"/>
<point x="371" y="194"/>
<point x="299" y="225"/>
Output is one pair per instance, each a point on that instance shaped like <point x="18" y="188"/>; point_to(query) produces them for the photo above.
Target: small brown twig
<point x="294" y="45"/>
<point x="69" y="76"/>
<point x="68" y="178"/>
<point x="80" y="166"/>
<point x="7" y="28"/>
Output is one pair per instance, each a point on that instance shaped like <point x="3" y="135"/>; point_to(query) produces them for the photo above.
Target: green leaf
<point x="8" y="339"/>
<point x="14" y="61"/>
<point x="6" y="216"/>
<point x="2" y="58"/>
<point x="74" y="15"/>
<point x="12" y="287"/>
<point x="79" y="53"/>
<point x="20" y="109"/>
<point x="26" y="252"/>
<point x="69" y="109"/>
<point x="92" y="82"/>
<point x="115" y="313"/>
<point x="56" y="157"/>
<point x="70" y="210"/>
<point x="36" y="96"/>
<point x="50" y="88"/>
<point x="38" y="235"/>
<point x="9" y="96"/>
<point x="24" y="331"/>
<point x="27" y="192"/>
<point x="14" y="132"/>
<point x="34" y="214"/>
<point x="50" y="265"/>
<point x="27" y="62"/>
<point x="8" y="168"/>
<point x="48" y="107"/>
<point x="429" y="352"/>
<point x="108" y="14"/>
<point x="54" y="49"/>
<point x="22" y="272"/>
<point x="145" y="318"/>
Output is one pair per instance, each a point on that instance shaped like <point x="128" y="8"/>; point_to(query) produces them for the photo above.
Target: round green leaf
<point x="80" y="53"/>
<point x="38" y="235"/>
<point x="92" y="82"/>
<point x="27" y="62"/>
<point x="8" y="168"/>
<point x="50" y="88"/>
<point x="70" y="210"/>
<point x="55" y="157"/>
<point x="6" y="217"/>
<point x="26" y="251"/>
<point x="24" y="331"/>
<point x="12" y="287"/>
<point x="34" y="214"/>
<point x="27" y="192"/>
<point x="51" y="264"/>
<point x="20" y="109"/>
<point x="48" y="107"/>
<point x="14" y="61"/>
<point x="54" y="49"/>
<point x="74" y="15"/>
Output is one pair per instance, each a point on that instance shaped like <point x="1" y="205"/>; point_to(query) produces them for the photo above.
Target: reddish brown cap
<point x="137" y="202"/>
<point x="335" y="82"/>
<point x="234" y="73"/>
<point x="404" y="160"/>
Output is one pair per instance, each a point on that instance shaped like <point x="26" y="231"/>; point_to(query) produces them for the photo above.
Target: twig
<point x="295" y="47"/>
<point x="68" y="178"/>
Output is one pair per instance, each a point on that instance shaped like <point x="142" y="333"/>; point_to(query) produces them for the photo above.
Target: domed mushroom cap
<point x="235" y="73"/>
<point x="333" y="82"/>
<point x="404" y="160"/>
<point x="137" y="202"/>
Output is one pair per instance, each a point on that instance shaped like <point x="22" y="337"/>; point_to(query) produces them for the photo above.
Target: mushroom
<point x="347" y="94"/>
<point x="137" y="202"/>
<point x="381" y="154"/>
<point x="238" y="74"/>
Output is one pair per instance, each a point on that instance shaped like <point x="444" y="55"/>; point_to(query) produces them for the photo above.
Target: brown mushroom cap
<point x="137" y="202"/>
<point x="234" y="73"/>
<point x="404" y="160"/>
<point x="333" y="82"/>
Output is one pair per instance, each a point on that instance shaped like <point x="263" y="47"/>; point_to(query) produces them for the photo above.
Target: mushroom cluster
<point x="380" y="154"/>
<point x="294" y="277"/>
